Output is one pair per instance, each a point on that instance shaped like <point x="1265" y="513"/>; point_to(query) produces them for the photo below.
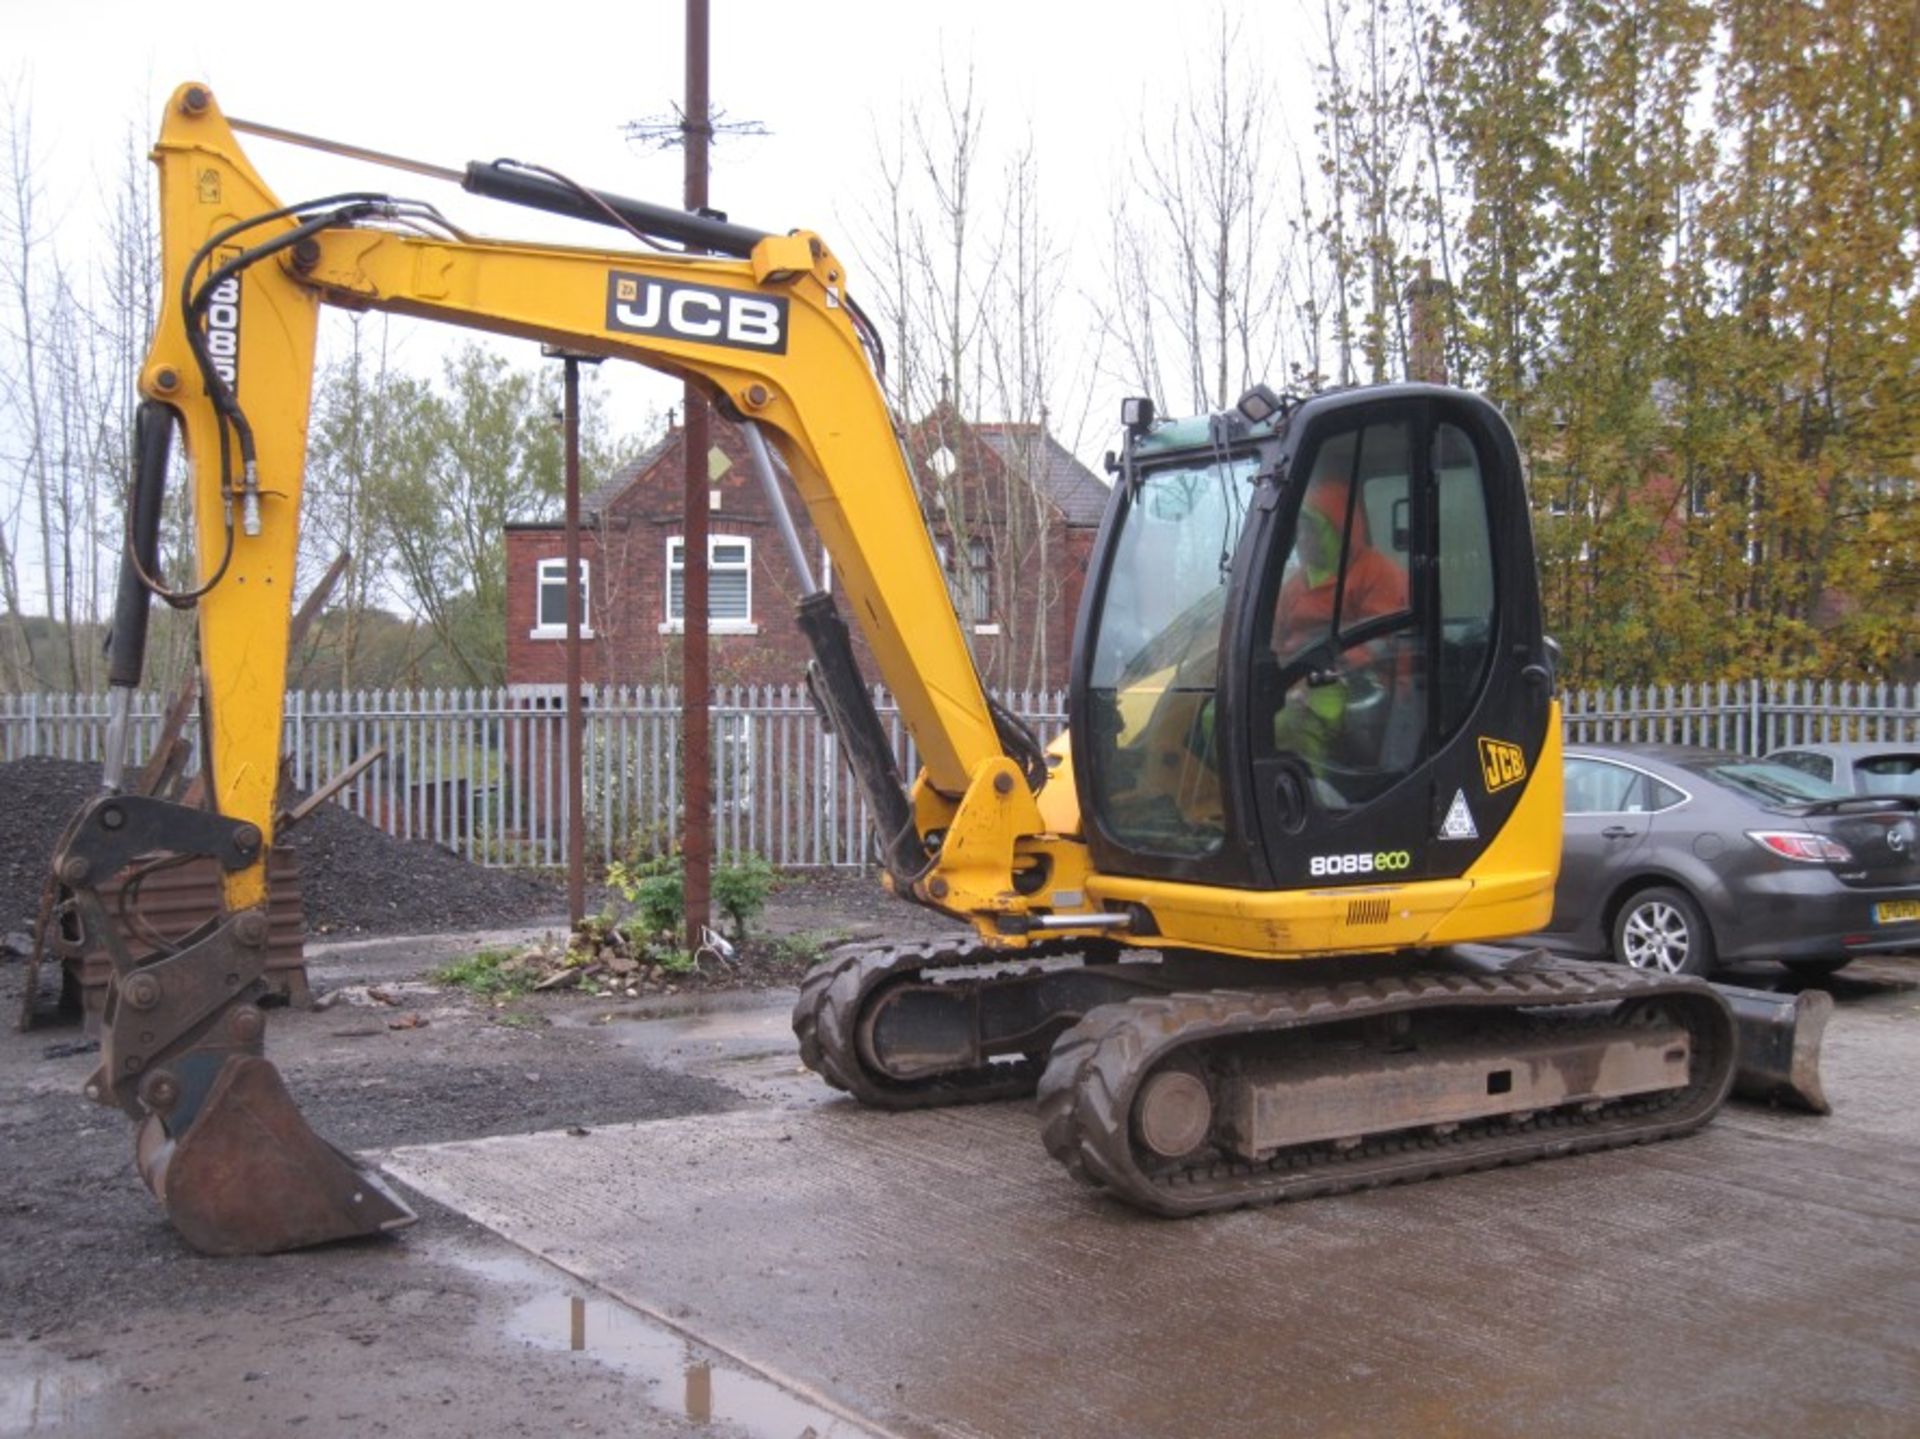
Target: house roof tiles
<point x="1074" y="489"/>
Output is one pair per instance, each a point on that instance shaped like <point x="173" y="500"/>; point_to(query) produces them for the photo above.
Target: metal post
<point x="696" y="845"/>
<point x="576" y="727"/>
<point x="575" y="722"/>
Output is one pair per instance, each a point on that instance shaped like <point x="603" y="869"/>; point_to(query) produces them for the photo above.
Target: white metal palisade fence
<point x="482" y="772"/>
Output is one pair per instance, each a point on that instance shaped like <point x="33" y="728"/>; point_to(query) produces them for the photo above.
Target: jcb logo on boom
<point x="1501" y="764"/>
<point x="1386" y="861"/>
<point x="711" y="316"/>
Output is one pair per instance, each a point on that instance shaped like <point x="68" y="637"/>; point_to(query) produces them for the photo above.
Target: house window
<point x="550" y="601"/>
<point x="971" y="590"/>
<point x="729" y="585"/>
<point x="979" y="584"/>
<point x="1699" y="501"/>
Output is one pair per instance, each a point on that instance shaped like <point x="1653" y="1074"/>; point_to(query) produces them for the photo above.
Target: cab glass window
<point x="1466" y="576"/>
<point x="1352" y="691"/>
<point x="1155" y="760"/>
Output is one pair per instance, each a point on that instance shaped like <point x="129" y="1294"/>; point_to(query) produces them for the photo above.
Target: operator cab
<point x="1311" y="639"/>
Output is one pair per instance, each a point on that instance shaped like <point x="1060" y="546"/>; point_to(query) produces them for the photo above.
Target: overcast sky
<point x="555" y="84"/>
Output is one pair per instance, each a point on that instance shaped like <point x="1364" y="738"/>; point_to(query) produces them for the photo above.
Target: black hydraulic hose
<point x="140" y="557"/>
<point x="195" y="306"/>
<point x="509" y="181"/>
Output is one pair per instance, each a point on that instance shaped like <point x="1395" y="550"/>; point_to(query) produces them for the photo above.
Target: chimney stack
<point x="1428" y="299"/>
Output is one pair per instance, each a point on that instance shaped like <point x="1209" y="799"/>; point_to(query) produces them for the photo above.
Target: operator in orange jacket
<point x="1316" y="594"/>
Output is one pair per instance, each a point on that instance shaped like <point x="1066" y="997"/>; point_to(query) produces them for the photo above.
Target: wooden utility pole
<point x="576" y="722"/>
<point x="696" y="844"/>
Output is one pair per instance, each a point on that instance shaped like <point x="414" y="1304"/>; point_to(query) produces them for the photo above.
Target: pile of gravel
<point x="359" y="879"/>
<point x="356" y="879"/>
<point x="37" y="798"/>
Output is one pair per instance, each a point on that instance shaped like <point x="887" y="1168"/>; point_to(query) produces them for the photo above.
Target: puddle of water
<point x="685" y="1378"/>
<point x="48" y="1400"/>
<point x="720" y="1023"/>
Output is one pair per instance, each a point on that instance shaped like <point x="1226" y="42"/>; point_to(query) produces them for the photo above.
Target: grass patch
<point x="491" y="973"/>
<point x="519" y="1019"/>
<point x="804" y="946"/>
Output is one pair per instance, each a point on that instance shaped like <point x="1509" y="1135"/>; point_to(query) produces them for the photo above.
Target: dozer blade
<point x="249" y="1175"/>
<point x="1779" y="1046"/>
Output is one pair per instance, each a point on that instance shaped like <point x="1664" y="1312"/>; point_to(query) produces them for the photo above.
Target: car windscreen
<point x="1888" y="774"/>
<point x="1766" y="781"/>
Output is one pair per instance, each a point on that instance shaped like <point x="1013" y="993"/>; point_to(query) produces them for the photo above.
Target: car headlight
<point x="1801" y="846"/>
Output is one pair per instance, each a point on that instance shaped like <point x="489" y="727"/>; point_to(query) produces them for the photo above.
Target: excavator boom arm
<point x="769" y="336"/>
<point x="766" y="331"/>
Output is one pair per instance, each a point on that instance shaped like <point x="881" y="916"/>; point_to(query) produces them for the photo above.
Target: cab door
<point x="1392" y="689"/>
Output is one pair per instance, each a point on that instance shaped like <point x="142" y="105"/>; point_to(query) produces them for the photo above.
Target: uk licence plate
<point x="1896" y="911"/>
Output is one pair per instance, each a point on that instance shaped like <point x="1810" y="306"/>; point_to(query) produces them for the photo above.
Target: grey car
<point x="1679" y="859"/>
<point x="1861" y="768"/>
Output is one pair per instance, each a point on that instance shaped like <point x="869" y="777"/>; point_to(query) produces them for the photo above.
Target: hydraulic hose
<point x="139" y="557"/>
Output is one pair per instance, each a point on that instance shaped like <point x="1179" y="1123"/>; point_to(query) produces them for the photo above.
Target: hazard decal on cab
<point x="1459" y="821"/>
<point x="1501" y="764"/>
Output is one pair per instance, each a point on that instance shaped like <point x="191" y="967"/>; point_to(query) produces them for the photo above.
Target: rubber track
<point x="1086" y="1094"/>
<point x="826" y="1019"/>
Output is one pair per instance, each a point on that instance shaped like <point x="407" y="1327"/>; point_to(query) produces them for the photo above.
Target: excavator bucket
<point x="249" y="1175"/>
<point x="221" y="1143"/>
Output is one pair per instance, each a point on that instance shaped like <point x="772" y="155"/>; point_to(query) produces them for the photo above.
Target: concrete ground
<point x="936" y="1274"/>
<point x="735" y="1251"/>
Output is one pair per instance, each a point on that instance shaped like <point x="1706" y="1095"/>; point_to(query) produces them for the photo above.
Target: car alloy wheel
<point x="1663" y="930"/>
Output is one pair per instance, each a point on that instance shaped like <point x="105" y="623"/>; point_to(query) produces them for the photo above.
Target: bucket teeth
<point x="249" y="1175"/>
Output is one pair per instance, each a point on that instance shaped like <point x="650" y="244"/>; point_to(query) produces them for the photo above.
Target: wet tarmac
<point x="936" y="1274"/>
<point x="531" y="1325"/>
<point x="683" y="1377"/>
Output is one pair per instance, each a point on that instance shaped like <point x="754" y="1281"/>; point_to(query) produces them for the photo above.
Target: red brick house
<point x="1013" y="515"/>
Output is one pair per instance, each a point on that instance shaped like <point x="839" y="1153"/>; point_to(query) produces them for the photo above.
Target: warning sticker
<point x="1459" y="821"/>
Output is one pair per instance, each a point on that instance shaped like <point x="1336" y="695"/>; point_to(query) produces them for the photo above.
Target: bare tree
<point x="75" y="336"/>
<point x="1369" y="103"/>
<point x="1196" y="308"/>
<point x="347" y="444"/>
<point x="988" y="378"/>
<point x="1024" y="575"/>
<point x="22" y="246"/>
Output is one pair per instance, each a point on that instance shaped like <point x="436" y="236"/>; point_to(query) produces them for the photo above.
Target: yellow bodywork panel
<point x="260" y="328"/>
<point x="1506" y="892"/>
<point x="1514" y="877"/>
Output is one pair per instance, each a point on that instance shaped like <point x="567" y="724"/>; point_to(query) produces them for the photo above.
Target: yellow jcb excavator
<point x="1314" y="741"/>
